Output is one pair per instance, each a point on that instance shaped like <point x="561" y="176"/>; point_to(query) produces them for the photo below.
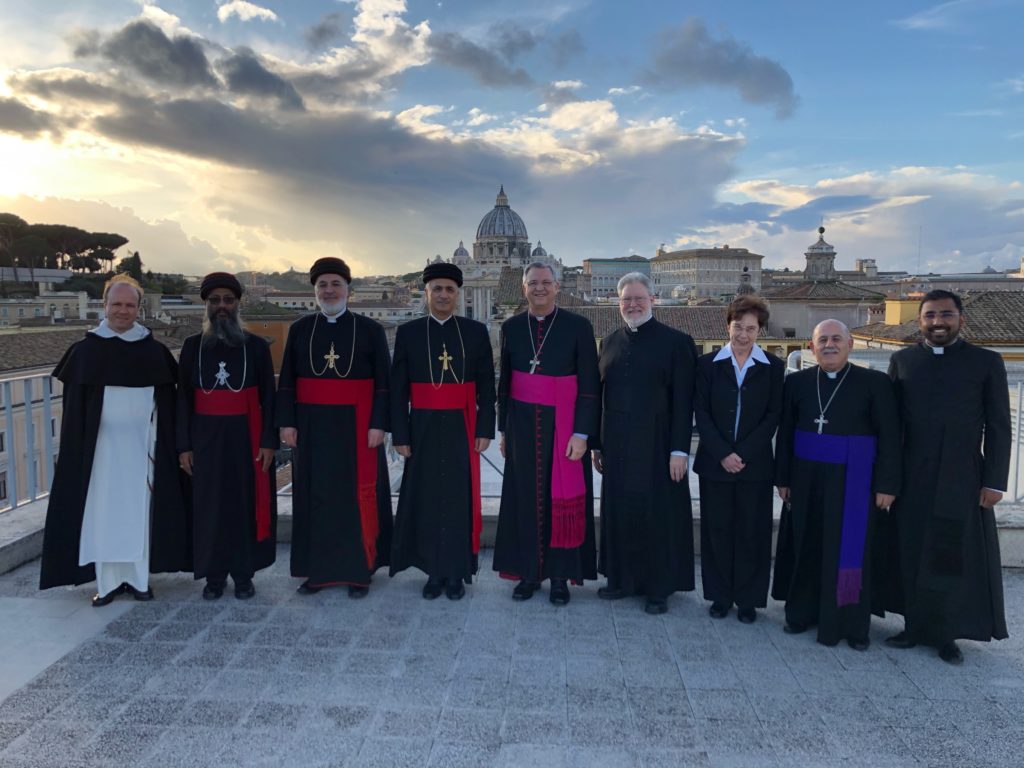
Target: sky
<point x="227" y="134"/>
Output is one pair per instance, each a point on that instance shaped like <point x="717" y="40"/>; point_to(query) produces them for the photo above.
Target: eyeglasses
<point x="946" y="314"/>
<point x="737" y="328"/>
<point x="627" y="300"/>
<point x="536" y="283"/>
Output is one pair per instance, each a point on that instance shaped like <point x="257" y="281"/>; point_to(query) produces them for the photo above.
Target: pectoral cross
<point x="222" y="375"/>
<point x="445" y="358"/>
<point x="533" y="365"/>
<point x="330" y="357"/>
<point x="821" y="421"/>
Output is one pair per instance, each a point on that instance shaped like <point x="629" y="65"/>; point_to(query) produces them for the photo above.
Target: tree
<point x="11" y="228"/>
<point x="132" y="265"/>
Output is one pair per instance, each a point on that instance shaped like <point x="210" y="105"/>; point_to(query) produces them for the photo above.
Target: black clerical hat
<point x="329" y="265"/>
<point x="442" y="270"/>
<point x="220" y="280"/>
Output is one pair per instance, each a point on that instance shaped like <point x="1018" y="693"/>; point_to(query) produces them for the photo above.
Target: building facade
<point x="702" y="273"/>
<point x="606" y="273"/>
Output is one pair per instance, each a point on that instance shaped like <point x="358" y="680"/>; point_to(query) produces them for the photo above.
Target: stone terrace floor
<point x="393" y="680"/>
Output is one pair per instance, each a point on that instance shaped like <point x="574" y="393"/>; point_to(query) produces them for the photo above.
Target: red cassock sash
<point x="357" y="393"/>
<point x="224" y="402"/>
<point x="460" y="397"/>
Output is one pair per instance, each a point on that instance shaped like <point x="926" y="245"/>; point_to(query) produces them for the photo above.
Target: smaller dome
<point x="460" y="251"/>
<point x="539" y="252"/>
<point x="821" y="246"/>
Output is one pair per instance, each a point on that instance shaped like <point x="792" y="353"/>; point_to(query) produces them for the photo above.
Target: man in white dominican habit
<point x="837" y="465"/>
<point x="117" y="511"/>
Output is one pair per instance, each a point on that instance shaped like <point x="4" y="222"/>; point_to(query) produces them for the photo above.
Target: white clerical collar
<point x="941" y="350"/>
<point x="136" y="333"/>
<point x="542" y="318"/>
<point x="439" y="321"/>
<point x="333" y="318"/>
<point x="756" y="353"/>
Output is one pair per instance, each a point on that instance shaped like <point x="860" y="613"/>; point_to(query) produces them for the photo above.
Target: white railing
<point x="26" y="468"/>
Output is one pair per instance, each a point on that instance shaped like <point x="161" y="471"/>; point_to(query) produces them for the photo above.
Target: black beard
<point x="227" y="330"/>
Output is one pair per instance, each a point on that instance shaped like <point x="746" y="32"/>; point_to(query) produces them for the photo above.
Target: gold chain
<point x="430" y="355"/>
<point x="328" y="364"/>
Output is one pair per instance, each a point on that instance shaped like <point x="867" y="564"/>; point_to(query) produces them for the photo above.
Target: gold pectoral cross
<point x="445" y="358"/>
<point x="330" y="357"/>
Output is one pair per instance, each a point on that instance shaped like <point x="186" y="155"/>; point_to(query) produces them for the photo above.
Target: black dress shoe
<point x="950" y="653"/>
<point x="656" y="606"/>
<point x="611" y="593"/>
<point x="305" y="588"/>
<point x="98" y="600"/>
<point x="794" y="628"/>
<point x="213" y="591"/>
<point x="524" y="590"/>
<point x="356" y="592"/>
<point x="719" y="610"/>
<point x="143" y="597"/>
<point x="456" y="590"/>
<point x="746" y="615"/>
<point x="432" y="589"/>
<point x="902" y="640"/>
<point x="858" y="644"/>
<point x="559" y="594"/>
<point x="245" y="590"/>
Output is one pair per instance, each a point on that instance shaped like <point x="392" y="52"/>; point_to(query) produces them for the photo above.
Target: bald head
<point x="831" y="343"/>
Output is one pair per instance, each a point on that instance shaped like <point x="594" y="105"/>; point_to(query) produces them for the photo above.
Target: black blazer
<point x="715" y="411"/>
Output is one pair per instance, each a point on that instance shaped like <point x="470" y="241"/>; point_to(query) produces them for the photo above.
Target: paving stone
<point x="277" y="635"/>
<point x="516" y="755"/>
<point x="672" y="758"/>
<point x="128" y="629"/>
<point x="465" y="725"/>
<point x="152" y="710"/>
<point x="600" y="730"/>
<point x="213" y="713"/>
<point x="410" y="722"/>
<point x="601" y="757"/>
<point x="462" y="755"/>
<point x="534" y="728"/>
<point x="9" y="731"/>
<point x="51" y="742"/>
<point x="121" y="744"/>
<point x="536" y="698"/>
<point x="392" y="753"/>
<point x="176" y="631"/>
<point x="30" y="704"/>
<point x="596" y="700"/>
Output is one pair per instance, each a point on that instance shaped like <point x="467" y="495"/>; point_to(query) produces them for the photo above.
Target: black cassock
<point x="736" y="509"/>
<point x="327" y="532"/>
<point x="956" y="441"/>
<point x="522" y="546"/>
<point x="646" y="413"/>
<point x="807" y="554"/>
<point x="87" y="367"/>
<point x="433" y="524"/>
<point x="223" y="485"/>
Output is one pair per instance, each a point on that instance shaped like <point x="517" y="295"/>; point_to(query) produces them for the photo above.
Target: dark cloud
<point x="329" y="29"/>
<point x="557" y="95"/>
<point x="144" y="48"/>
<point x="16" y="117"/>
<point x="739" y="213"/>
<point x="512" y="40"/>
<point x="810" y="214"/>
<point x="566" y="47"/>
<point x="453" y="50"/>
<point x="689" y="57"/>
<point x="66" y="86"/>
<point x="84" y="42"/>
<point x="246" y="75"/>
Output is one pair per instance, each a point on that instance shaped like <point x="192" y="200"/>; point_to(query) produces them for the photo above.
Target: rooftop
<point x="44" y="348"/>
<point x="828" y="289"/>
<point x="993" y="317"/>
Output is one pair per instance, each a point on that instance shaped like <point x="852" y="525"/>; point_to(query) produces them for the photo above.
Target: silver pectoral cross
<point x="222" y="375"/>
<point x="533" y="365"/>
<point x="821" y="421"/>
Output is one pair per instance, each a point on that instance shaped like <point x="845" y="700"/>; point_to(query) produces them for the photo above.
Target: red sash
<point x="568" y="489"/>
<point x="358" y="393"/>
<point x="224" y="402"/>
<point x="456" y="397"/>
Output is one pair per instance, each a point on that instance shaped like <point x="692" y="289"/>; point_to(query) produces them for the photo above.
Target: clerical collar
<point x="439" y="321"/>
<point x="834" y="374"/>
<point x="136" y="333"/>
<point x="542" y="318"/>
<point x="755" y="352"/>
<point x="940" y="350"/>
<point x="634" y="327"/>
<point x="334" y="318"/>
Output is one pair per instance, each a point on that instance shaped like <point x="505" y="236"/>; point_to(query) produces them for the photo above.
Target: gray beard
<point x="227" y="330"/>
<point x="634" y="324"/>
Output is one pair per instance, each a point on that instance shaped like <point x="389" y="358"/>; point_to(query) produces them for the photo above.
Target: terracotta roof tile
<point x="43" y="349"/>
<point x="993" y="317"/>
<point x="824" y="290"/>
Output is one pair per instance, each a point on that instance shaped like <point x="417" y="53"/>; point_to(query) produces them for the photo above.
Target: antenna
<point x="919" y="228"/>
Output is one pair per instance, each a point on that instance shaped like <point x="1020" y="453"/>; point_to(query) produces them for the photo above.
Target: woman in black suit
<point x="737" y="405"/>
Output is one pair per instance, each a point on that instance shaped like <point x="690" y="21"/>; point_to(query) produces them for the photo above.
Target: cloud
<point x="942" y="16"/>
<point x="245" y="11"/>
<point x="145" y="48"/>
<point x="688" y="57"/>
<point x="629" y="89"/>
<point x="478" y="117"/>
<point x="511" y="39"/>
<point x="327" y="30"/>
<point x="245" y="74"/>
<point x="18" y="118"/>
<point x="561" y="92"/>
<point x="454" y="50"/>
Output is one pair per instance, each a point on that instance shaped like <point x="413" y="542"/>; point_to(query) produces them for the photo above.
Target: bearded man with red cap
<point x="226" y="441"/>
<point x="442" y="419"/>
<point x="332" y="408"/>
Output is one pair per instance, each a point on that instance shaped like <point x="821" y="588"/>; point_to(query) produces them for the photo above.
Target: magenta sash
<point x="568" y="490"/>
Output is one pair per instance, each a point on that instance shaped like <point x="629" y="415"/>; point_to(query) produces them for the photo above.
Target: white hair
<point x="635" y="277"/>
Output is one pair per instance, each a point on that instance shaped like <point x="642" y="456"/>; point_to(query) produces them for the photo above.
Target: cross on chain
<point x="533" y="364"/>
<point x="445" y="358"/>
<point x="330" y="357"/>
<point x="821" y="421"/>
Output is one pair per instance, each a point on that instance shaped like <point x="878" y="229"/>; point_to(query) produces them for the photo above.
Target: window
<point x="789" y="333"/>
<point x="3" y="486"/>
<point x="3" y="441"/>
<point x="53" y="427"/>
